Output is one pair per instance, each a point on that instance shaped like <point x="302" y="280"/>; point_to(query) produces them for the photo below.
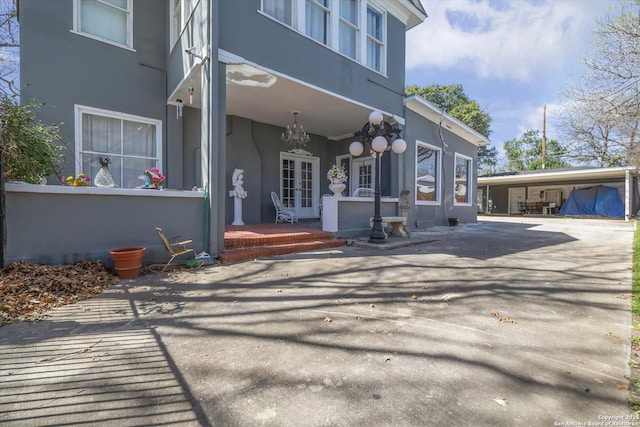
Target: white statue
<point x="238" y="193"/>
<point x="237" y="181"/>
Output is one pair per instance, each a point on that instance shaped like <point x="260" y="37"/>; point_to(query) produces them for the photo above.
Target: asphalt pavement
<point x="508" y="322"/>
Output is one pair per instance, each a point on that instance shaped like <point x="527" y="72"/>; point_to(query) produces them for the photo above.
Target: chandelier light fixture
<point x="295" y="135"/>
<point x="378" y="134"/>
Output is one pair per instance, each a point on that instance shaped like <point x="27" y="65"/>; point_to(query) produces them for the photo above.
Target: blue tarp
<point x="600" y="200"/>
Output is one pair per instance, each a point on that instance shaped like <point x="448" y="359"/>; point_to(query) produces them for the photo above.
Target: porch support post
<point x="213" y="142"/>
<point x="627" y="194"/>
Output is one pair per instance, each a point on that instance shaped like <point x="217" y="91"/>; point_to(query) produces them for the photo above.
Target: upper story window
<point x="375" y="39"/>
<point x="281" y="10"/>
<point x="462" y="184"/>
<point x="317" y="15"/>
<point x="181" y="11"/>
<point x="349" y="29"/>
<point x="132" y="143"/>
<point x="428" y="167"/>
<point x="337" y="24"/>
<point x="106" y="20"/>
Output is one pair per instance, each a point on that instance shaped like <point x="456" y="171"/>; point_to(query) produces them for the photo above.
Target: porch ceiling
<point x="264" y="97"/>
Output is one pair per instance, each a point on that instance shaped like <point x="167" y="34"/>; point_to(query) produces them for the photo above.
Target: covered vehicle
<point x="599" y="200"/>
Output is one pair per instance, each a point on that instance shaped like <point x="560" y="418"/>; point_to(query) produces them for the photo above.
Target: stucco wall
<point x="422" y="216"/>
<point x="62" y="68"/>
<point x="267" y="42"/>
<point x="61" y="225"/>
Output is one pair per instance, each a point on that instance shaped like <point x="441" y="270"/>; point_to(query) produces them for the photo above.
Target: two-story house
<point x="199" y="88"/>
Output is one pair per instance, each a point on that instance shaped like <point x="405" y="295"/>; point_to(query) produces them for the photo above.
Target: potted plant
<point x="128" y="261"/>
<point x="337" y="177"/>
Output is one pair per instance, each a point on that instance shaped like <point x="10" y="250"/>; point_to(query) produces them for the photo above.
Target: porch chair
<point x="283" y="214"/>
<point x="174" y="247"/>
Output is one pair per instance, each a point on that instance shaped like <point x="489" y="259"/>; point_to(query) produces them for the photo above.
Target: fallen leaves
<point x="501" y="318"/>
<point x="620" y="386"/>
<point x="27" y="290"/>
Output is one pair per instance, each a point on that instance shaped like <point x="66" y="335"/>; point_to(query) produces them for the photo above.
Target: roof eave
<point x="429" y="111"/>
<point x="546" y="176"/>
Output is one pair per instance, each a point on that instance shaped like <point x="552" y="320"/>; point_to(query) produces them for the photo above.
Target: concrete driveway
<point x="508" y="322"/>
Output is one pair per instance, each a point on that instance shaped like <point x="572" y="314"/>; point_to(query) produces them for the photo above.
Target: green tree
<point x="29" y="149"/>
<point x="525" y="153"/>
<point x="454" y="101"/>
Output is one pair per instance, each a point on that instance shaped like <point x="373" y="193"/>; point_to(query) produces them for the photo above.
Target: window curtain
<point x="348" y="27"/>
<point x="279" y="9"/>
<point x="130" y="145"/>
<point x="316" y="21"/>
<point x="374" y="39"/>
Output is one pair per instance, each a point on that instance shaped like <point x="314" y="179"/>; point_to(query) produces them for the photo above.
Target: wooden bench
<point x="397" y="224"/>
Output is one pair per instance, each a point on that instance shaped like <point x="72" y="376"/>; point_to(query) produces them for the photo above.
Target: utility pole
<point x="544" y="136"/>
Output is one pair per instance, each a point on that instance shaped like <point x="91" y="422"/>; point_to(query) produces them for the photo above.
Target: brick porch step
<point x="252" y="252"/>
<point x="262" y="240"/>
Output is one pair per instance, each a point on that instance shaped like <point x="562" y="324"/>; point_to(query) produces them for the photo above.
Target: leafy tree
<point x="453" y="101"/>
<point x="525" y="153"/>
<point x="601" y="119"/>
<point x="28" y="147"/>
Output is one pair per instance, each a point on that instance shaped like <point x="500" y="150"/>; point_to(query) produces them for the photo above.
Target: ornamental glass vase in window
<point x="104" y="178"/>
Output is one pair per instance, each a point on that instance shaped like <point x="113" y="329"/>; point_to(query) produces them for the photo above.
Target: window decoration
<point x="132" y="143"/>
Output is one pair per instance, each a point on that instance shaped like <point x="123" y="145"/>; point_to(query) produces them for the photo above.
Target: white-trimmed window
<point x="110" y="21"/>
<point x="428" y="173"/>
<point x="349" y="28"/>
<point x="281" y="10"/>
<point x="462" y="186"/>
<point x="375" y="39"/>
<point x="337" y="24"/>
<point x="181" y="11"/>
<point x="133" y="144"/>
<point x="316" y="21"/>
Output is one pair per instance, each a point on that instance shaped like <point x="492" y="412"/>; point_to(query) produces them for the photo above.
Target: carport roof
<point x="570" y="174"/>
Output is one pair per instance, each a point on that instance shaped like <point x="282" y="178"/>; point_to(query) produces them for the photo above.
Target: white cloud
<point x="511" y="40"/>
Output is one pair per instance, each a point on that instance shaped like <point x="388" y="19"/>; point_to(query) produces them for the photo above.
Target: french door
<point x="363" y="173"/>
<point x="300" y="184"/>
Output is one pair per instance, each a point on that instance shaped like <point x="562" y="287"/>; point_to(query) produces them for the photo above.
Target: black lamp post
<point x="378" y="134"/>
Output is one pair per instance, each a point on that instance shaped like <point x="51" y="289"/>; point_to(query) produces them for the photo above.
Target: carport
<point x="501" y="193"/>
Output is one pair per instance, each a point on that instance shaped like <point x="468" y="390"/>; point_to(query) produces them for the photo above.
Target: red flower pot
<point x="128" y="261"/>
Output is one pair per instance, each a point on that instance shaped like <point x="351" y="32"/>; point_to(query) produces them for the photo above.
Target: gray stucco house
<point x="199" y="88"/>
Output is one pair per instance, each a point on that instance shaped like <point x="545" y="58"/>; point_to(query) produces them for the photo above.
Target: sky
<point x="511" y="56"/>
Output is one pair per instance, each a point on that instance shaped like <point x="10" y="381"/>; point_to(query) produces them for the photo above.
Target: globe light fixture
<point x="378" y="134"/>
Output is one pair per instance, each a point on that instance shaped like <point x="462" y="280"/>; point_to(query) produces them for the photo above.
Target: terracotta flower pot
<point x="128" y="261"/>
